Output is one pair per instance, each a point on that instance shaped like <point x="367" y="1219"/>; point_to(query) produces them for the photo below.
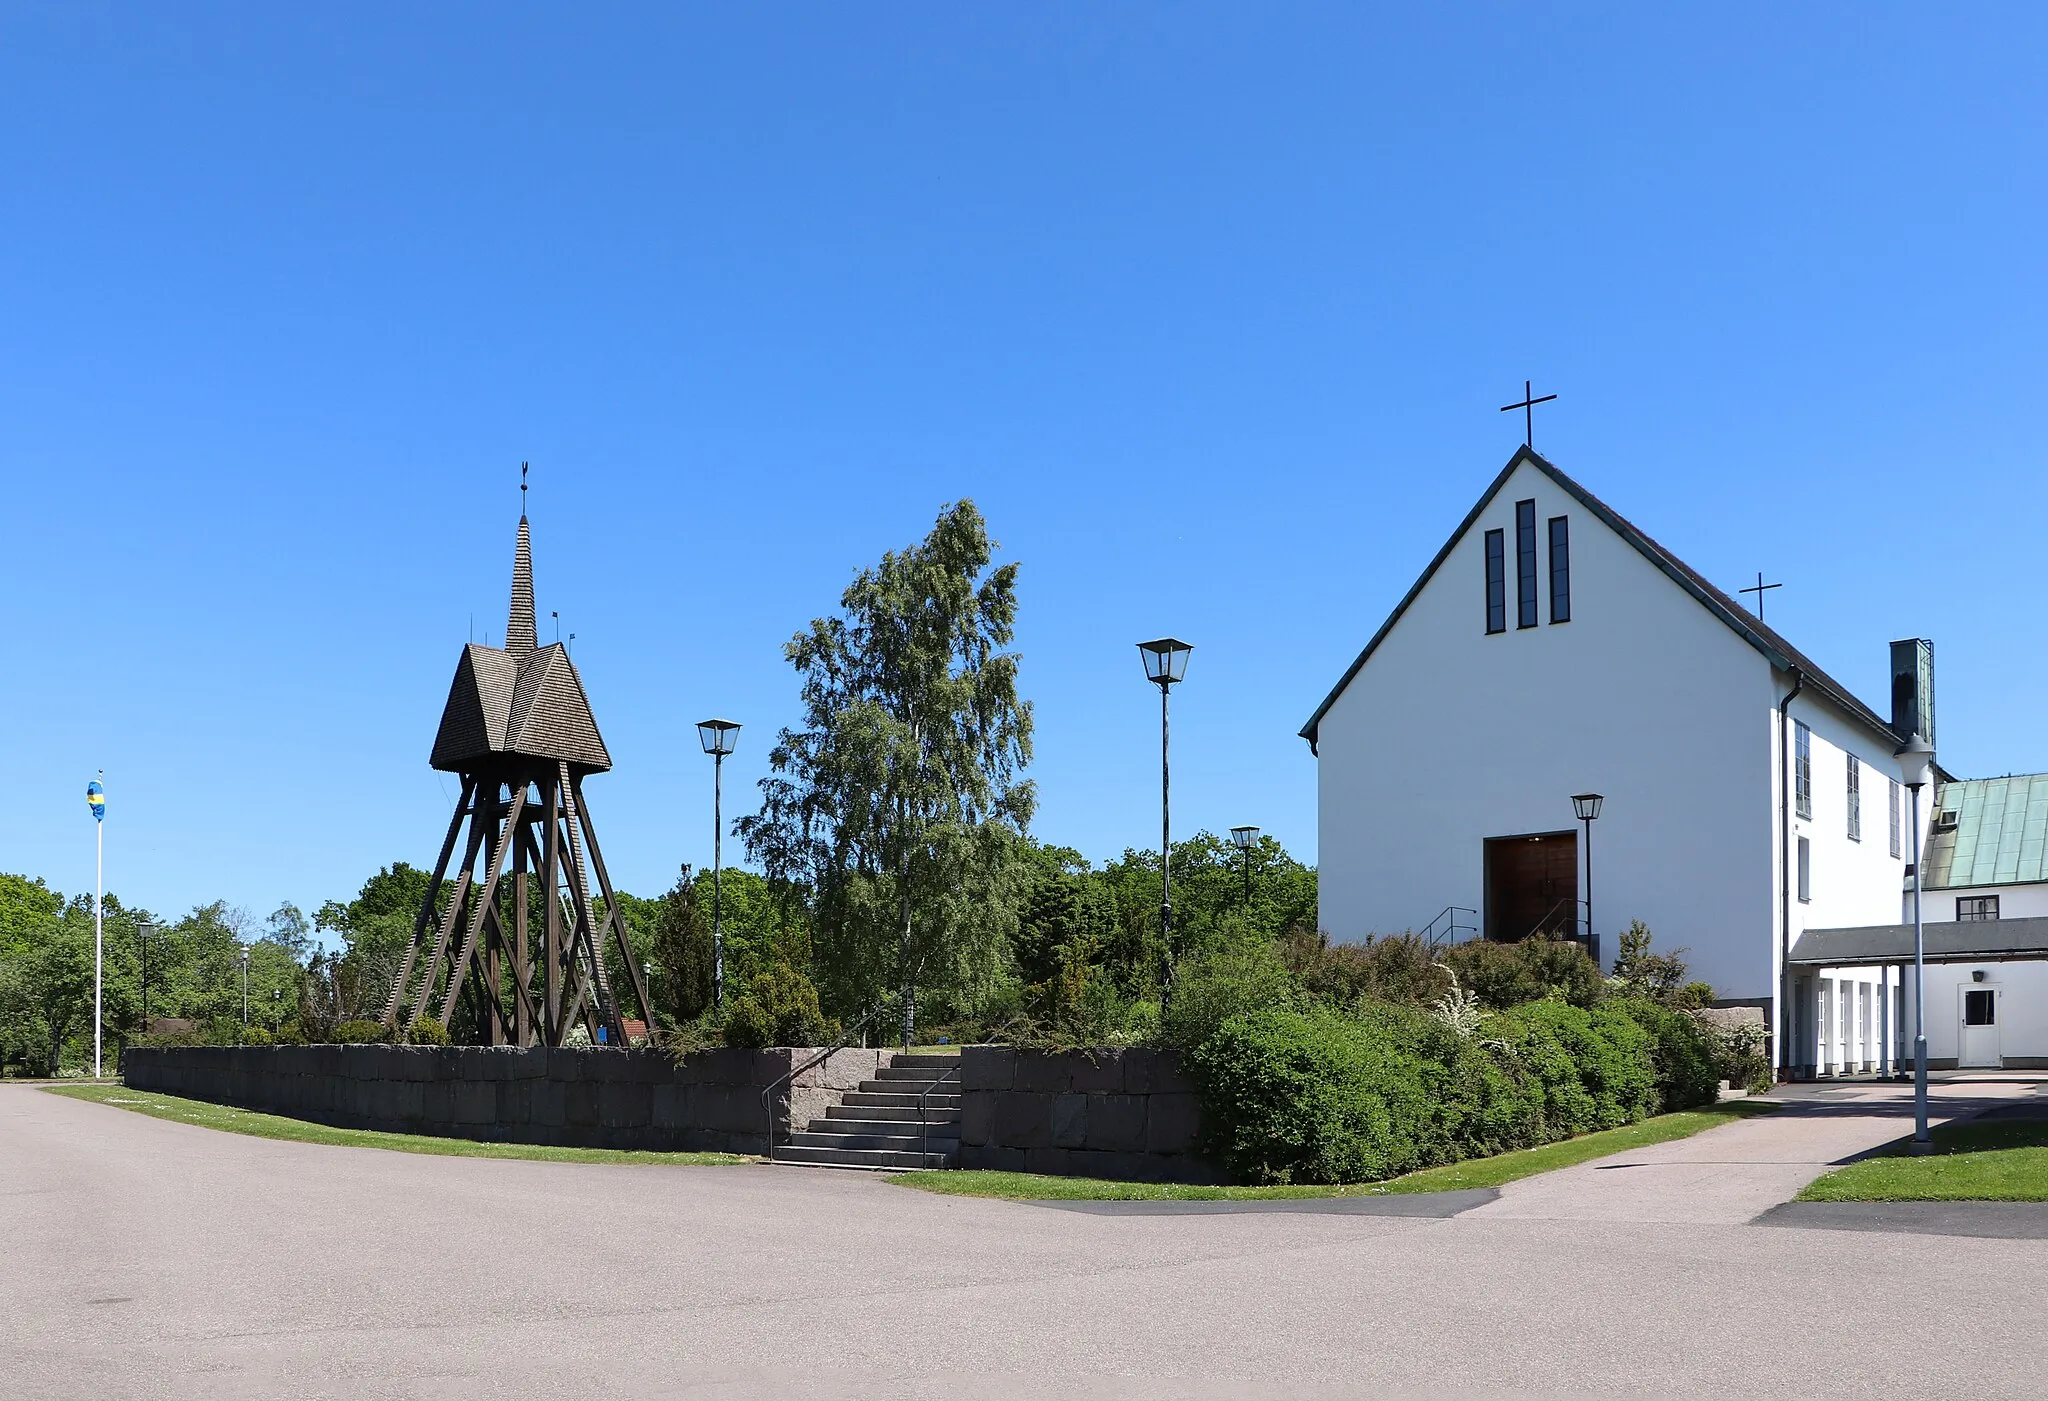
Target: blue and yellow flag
<point x="96" y="799"/>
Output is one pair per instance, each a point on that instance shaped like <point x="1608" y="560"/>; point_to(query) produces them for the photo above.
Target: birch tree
<point x="899" y="802"/>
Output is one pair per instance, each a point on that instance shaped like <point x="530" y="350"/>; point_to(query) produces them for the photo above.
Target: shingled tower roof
<point x="519" y="701"/>
<point x="519" y="630"/>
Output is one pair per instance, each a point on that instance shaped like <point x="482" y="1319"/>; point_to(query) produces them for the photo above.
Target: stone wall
<point x="587" y="1097"/>
<point x="1127" y="1113"/>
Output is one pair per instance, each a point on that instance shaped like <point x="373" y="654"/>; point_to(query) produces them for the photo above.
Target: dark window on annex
<point x="1971" y="908"/>
<point x="1855" y="800"/>
<point x="1560" y="570"/>
<point x="1802" y="770"/>
<point x="1496" y="581"/>
<point x="1525" y="564"/>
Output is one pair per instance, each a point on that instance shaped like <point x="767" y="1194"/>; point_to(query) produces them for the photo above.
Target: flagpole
<point x="99" y="899"/>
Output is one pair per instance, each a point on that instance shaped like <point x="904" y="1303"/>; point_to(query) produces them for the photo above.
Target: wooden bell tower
<point x="513" y="921"/>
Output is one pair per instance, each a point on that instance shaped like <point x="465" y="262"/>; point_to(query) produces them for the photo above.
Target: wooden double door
<point x="1532" y="886"/>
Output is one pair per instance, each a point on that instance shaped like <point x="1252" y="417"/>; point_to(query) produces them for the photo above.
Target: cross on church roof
<point x="1528" y="408"/>
<point x="1759" y="588"/>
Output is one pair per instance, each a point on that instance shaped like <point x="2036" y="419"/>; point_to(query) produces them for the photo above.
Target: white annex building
<point x="1751" y="808"/>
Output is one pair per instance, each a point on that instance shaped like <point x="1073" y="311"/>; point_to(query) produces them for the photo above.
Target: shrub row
<point x="1319" y="1094"/>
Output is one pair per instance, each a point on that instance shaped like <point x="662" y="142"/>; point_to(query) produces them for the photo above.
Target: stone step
<point x="937" y="1128"/>
<point x="915" y="1072"/>
<point x="866" y="1158"/>
<point x="889" y="1141"/>
<point x="923" y="1060"/>
<point x="898" y="1098"/>
<point x="900" y="1113"/>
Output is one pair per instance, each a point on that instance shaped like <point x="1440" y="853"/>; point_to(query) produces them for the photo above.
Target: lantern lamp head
<point x="1166" y="660"/>
<point x="1586" y="806"/>
<point x="718" y="736"/>
<point x="1243" y="837"/>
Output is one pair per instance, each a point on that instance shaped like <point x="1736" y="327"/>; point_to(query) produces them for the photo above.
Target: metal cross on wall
<point x="1759" y="588"/>
<point x="1528" y="408"/>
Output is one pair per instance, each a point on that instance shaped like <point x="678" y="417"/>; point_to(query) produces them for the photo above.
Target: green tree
<point x="899" y="803"/>
<point x="375" y="929"/>
<point x="682" y="952"/>
<point x="46" y="990"/>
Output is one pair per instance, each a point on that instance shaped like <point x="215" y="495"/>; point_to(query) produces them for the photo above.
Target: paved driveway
<point x="141" y="1258"/>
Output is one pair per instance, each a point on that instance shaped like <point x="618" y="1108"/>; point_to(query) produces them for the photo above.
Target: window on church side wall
<point x="1802" y="770"/>
<point x="1855" y="800"/>
<point x="1496" y="581"/>
<point x="1895" y="815"/>
<point x="1525" y="564"/>
<point x="1560" y="570"/>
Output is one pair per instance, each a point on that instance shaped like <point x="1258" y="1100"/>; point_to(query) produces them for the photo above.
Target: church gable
<point x="1518" y="542"/>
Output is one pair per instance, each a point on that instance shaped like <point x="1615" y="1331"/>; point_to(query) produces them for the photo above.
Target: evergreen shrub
<point x="425" y="1031"/>
<point x="779" y="1008"/>
<point x="361" y="1032"/>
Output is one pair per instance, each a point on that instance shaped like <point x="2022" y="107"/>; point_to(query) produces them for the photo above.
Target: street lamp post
<point x="1586" y="807"/>
<point x="276" y="1009"/>
<point x="718" y="738"/>
<point x="1244" y="839"/>
<point x="1166" y="663"/>
<point x="1916" y="757"/>
<point x="145" y="935"/>
<point x="245" y="991"/>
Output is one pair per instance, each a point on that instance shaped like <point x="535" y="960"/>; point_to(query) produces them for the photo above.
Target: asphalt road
<point x="140" y="1258"/>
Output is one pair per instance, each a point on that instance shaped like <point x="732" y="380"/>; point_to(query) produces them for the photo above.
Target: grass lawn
<point x="2002" y="1160"/>
<point x="1474" y="1172"/>
<point x="220" y="1116"/>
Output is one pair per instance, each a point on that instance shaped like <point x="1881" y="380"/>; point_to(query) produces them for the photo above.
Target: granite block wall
<point x="586" y="1097"/>
<point x="1128" y="1113"/>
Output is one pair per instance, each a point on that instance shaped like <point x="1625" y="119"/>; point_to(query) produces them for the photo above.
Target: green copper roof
<point x="2000" y="835"/>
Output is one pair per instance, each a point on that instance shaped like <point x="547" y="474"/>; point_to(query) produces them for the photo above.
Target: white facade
<point x="1657" y="692"/>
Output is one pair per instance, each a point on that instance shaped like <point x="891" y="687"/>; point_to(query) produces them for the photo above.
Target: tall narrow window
<point x="1805" y="871"/>
<point x="1855" y="800"/>
<point x="1525" y="563"/>
<point x="1496" y="581"/>
<point x="1895" y="815"/>
<point x="1802" y="770"/>
<point x="1560" y="570"/>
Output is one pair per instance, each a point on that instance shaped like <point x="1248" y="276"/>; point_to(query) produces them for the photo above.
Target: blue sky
<point x="1209" y="308"/>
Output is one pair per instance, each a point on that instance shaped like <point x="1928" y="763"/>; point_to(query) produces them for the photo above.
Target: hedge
<point x="1321" y="1095"/>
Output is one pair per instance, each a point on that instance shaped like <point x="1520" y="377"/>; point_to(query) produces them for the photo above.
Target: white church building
<point x="1751" y="809"/>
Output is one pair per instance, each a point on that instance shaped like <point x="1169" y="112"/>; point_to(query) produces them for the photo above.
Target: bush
<point x="361" y="1032"/>
<point x="425" y="1031"/>
<point x="1739" y="1051"/>
<point x="1399" y="968"/>
<point x="257" y="1036"/>
<point x="1211" y="987"/>
<point x="1688" y="1070"/>
<point x="1326" y="1095"/>
<point x="1507" y="975"/>
<point x="779" y="1008"/>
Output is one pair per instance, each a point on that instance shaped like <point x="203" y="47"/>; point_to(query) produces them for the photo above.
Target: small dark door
<point x="1532" y="886"/>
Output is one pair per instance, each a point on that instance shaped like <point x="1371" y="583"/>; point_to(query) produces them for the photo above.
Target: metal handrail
<point x="1430" y="934"/>
<point x="924" y="1123"/>
<point x="846" y="1039"/>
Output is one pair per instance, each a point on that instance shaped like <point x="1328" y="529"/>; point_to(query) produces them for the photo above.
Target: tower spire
<point x="520" y="634"/>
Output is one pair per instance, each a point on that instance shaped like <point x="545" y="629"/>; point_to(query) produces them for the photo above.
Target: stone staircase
<point x="878" y="1125"/>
